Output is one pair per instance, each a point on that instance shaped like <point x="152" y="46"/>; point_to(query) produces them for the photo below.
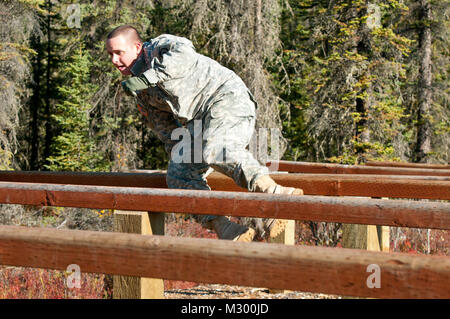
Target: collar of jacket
<point x="141" y="64"/>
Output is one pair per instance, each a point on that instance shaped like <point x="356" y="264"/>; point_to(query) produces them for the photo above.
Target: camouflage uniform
<point x="189" y="89"/>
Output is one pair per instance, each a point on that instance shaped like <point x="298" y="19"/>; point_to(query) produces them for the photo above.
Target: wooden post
<point x="286" y="237"/>
<point x="383" y="236"/>
<point x="127" y="287"/>
<point x="368" y="237"/>
<point x="360" y="237"/>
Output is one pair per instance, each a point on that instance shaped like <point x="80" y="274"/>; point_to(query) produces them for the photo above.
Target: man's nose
<point x="114" y="59"/>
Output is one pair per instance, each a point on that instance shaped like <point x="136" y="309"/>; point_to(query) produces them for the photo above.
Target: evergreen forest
<point x="344" y="81"/>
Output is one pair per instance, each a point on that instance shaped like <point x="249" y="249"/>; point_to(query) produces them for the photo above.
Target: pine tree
<point x="73" y="148"/>
<point x="351" y="73"/>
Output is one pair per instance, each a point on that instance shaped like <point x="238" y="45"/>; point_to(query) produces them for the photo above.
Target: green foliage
<point x="74" y="149"/>
<point x="343" y="80"/>
<point x="346" y="65"/>
<point x="5" y="160"/>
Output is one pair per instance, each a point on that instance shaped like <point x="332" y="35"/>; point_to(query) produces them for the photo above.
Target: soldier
<point x="179" y="89"/>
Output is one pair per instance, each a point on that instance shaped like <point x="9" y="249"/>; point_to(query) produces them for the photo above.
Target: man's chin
<point x="125" y="72"/>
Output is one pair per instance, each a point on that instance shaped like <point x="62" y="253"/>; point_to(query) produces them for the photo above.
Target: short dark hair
<point x="126" y="30"/>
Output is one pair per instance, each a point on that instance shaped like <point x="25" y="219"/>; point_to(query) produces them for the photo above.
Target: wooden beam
<point x="360" y="237"/>
<point x="370" y="237"/>
<point x="328" y="168"/>
<point x="129" y="287"/>
<point x="153" y="179"/>
<point x="302" y="268"/>
<point x="426" y="187"/>
<point x="409" y="165"/>
<point x="286" y="237"/>
<point x="400" y="213"/>
<point x="383" y="234"/>
<point x="384" y="237"/>
<point x="350" y="185"/>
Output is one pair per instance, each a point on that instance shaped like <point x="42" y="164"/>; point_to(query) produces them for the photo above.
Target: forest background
<point x="343" y="81"/>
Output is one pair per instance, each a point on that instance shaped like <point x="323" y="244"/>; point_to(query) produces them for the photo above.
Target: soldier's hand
<point x="134" y="84"/>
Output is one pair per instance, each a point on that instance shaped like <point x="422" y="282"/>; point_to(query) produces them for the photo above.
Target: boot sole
<point x="297" y="191"/>
<point x="278" y="227"/>
<point x="246" y="237"/>
<point x="280" y="224"/>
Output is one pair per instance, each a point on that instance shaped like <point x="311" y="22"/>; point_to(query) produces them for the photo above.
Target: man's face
<point x="123" y="52"/>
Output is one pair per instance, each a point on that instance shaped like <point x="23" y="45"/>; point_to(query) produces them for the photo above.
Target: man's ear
<point x="138" y="46"/>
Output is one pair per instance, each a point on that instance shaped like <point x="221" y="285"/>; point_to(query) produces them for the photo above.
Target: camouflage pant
<point x="226" y="130"/>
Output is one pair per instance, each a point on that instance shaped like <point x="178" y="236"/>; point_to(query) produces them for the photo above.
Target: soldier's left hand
<point x="134" y="84"/>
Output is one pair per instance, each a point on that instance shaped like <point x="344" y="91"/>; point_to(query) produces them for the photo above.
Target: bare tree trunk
<point x="35" y="104"/>
<point x="257" y="29"/>
<point x="48" y="126"/>
<point x="424" y="130"/>
<point x="362" y="107"/>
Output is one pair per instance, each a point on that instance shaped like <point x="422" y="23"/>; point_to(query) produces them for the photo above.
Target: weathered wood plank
<point x="350" y="185"/>
<point x="400" y="213"/>
<point x="301" y="268"/>
<point x="409" y="165"/>
<point x="426" y="187"/>
<point x="360" y="237"/>
<point x="286" y="237"/>
<point x="328" y="168"/>
<point x="370" y="237"/>
<point x="128" y="287"/>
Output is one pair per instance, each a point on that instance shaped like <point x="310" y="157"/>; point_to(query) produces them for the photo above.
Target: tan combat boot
<point x="265" y="184"/>
<point x="226" y="229"/>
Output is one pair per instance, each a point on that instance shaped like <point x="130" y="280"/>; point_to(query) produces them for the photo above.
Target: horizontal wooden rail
<point x="352" y="185"/>
<point x="314" y="208"/>
<point x="302" y="268"/>
<point x="147" y="179"/>
<point x="328" y="168"/>
<point x="409" y="165"/>
<point x="425" y="187"/>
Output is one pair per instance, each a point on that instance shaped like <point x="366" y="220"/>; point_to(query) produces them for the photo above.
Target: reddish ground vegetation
<point x="33" y="283"/>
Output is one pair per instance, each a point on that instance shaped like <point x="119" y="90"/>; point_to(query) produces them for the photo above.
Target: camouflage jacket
<point x="183" y="82"/>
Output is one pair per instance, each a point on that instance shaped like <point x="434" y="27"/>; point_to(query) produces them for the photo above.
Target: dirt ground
<point x="216" y="291"/>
